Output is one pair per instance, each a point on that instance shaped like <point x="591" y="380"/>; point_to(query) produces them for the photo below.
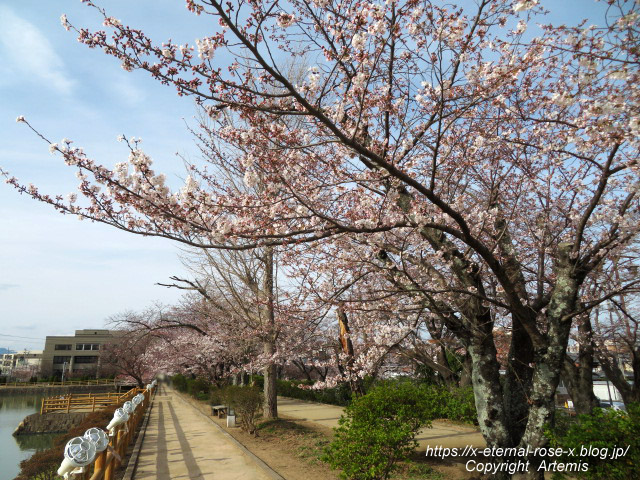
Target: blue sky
<point x="58" y="274"/>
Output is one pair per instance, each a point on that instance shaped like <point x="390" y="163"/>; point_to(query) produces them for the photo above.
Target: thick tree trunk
<point x="489" y="395"/>
<point x="270" y="385"/>
<point x="549" y="359"/>
<point x="579" y="385"/>
<point x="579" y="378"/>
<point x="269" y="346"/>
<point x="489" y="398"/>
<point x="518" y="378"/>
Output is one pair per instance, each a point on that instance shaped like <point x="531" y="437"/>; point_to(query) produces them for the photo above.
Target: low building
<point x="75" y="355"/>
<point x="25" y="364"/>
<point x="7" y="362"/>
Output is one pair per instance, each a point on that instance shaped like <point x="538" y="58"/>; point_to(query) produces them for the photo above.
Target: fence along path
<point x="84" y="402"/>
<point x="106" y="462"/>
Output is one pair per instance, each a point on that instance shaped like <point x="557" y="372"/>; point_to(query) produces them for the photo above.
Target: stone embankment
<point x="49" y="423"/>
<point x="52" y="422"/>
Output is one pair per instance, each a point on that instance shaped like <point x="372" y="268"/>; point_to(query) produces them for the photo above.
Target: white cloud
<point x="30" y="54"/>
<point x="124" y="88"/>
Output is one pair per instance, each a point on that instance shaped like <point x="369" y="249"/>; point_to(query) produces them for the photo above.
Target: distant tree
<point x="129" y="354"/>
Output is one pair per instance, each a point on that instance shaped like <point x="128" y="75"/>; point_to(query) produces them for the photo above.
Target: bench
<point x="219" y="410"/>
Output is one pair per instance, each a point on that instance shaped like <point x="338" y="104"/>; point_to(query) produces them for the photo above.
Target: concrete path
<point x="180" y="443"/>
<point x="442" y="433"/>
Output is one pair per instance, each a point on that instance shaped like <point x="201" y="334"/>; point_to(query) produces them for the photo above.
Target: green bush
<point x="246" y="401"/>
<point x="257" y="381"/>
<point x="456" y="404"/>
<point x="216" y="396"/>
<point x="340" y="395"/>
<point x="453" y="403"/>
<point x="179" y="382"/>
<point x="603" y="428"/>
<point x="378" y="430"/>
<point x="197" y="386"/>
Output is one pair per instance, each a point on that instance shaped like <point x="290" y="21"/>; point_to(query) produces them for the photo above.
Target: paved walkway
<point x="181" y="444"/>
<point x="446" y="434"/>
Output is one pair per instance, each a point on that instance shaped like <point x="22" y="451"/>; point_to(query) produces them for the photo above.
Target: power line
<point x="17" y="336"/>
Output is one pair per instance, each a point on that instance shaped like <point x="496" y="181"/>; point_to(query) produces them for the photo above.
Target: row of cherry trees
<point x="456" y="170"/>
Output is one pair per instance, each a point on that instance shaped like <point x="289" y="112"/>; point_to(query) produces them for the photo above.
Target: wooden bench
<point x="219" y="410"/>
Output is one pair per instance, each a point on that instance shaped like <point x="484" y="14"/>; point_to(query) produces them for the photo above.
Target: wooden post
<point x="108" y="472"/>
<point x="98" y="465"/>
<point x="68" y="403"/>
<point x="118" y="444"/>
<point x="42" y="407"/>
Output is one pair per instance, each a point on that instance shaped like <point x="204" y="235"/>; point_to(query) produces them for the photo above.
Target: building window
<point x="61" y="359"/>
<point x="87" y="359"/>
<point x="87" y="346"/>
<point x="62" y="347"/>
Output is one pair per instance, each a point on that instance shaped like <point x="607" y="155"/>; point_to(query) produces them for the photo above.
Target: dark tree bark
<point x="578" y="376"/>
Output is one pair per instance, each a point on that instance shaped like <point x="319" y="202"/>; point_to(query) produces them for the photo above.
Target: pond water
<point x="13" y="450"/>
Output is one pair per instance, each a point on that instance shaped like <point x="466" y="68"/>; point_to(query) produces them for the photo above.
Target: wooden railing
<point x="66" y="383"/>
<point x="85" y="402"/>
<point x="106" y="463"/>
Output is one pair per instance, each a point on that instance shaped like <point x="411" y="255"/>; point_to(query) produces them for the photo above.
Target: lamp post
<point x="98" y="438"/>
<point x="137" y="400"/>
<point x="119" y="416"/>
<point x="78" y="452"/>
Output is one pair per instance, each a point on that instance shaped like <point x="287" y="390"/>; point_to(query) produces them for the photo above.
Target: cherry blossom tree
<point x="480" y="166"/>
<point x="239" y="290"/>
<point x="129" y="355"/>
<point x="188" y="338"/>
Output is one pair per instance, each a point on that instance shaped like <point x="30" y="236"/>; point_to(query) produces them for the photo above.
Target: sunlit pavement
<point x="181" y="443"/>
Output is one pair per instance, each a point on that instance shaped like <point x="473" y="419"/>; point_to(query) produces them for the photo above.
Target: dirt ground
<point x="292" y="448"/>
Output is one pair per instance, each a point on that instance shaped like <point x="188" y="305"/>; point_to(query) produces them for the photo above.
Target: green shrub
<point x="340" y="395"/>
<point x="457" y="404"/>
<point x="197" y="386"/>
<point x="378" y="430"/>
<point x="179" y="382"/>
<point x="246" y="401"/>
<point x="257" y="381"/>
<point x="216" y="396"/>
<point x="601" y="429"/>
